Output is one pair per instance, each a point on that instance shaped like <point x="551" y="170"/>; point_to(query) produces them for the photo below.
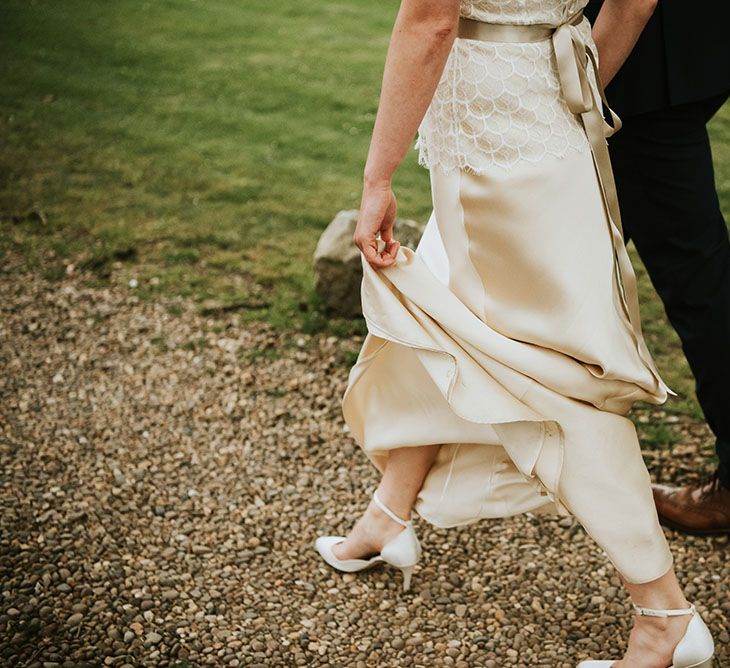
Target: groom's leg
<point x="669" y="206"/>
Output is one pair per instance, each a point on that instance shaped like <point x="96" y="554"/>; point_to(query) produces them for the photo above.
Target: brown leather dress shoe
<point x="704" y="509"/>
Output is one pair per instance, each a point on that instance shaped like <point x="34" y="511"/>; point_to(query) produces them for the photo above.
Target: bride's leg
<point x="653" y="639"/>
<point x="606" y="486"/>
<point x="405" y="471"/>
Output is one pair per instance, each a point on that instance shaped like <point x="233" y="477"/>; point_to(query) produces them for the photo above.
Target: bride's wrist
<point x="377" y="180"/>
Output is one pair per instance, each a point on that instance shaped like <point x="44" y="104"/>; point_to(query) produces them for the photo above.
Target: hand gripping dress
<point x="511" y="335"/>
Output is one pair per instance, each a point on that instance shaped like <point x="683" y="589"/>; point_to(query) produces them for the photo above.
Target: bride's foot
<point x="653" y="640"/>
<point x="373" y="530"/>
<point x="374" y="540"/>
<point x="674" y="638"/>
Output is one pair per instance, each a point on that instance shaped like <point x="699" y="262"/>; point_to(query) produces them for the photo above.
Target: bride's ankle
<point x="662" y="626"/>
<point x="401" y="508"/>
<point x="381" y="519"/>
<point x="655" y="626"/>
<point x="657" y="636"/>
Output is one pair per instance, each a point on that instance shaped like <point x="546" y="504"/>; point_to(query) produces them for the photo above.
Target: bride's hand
<point x="377" y="214"/>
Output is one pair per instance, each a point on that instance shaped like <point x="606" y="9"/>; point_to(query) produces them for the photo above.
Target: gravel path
<point x="163" y="478"/>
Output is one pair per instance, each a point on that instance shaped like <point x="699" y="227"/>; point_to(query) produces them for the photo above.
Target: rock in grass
<point x="337" y="263"/>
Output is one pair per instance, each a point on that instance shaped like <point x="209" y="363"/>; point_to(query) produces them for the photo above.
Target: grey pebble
<point x="75" y="619"/>
<point x="152" y="638"/>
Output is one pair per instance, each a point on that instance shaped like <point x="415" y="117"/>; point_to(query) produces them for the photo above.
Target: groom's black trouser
<point x="669" y="207"/>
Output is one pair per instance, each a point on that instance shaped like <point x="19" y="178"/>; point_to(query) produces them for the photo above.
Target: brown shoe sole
<point x="721" y="531"/>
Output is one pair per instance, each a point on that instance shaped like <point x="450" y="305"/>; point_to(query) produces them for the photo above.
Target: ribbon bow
<point x="572" y="54"/>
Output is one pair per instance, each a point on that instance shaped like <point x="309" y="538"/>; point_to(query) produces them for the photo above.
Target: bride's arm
<point x="615" y="31"/>
<point x="420" y="43"/>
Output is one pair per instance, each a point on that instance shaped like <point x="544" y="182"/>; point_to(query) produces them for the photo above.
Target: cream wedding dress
<point x="510" y="335"/>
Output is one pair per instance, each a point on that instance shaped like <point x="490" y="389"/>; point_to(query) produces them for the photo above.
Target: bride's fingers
<point x="391" y="250"/>
<point x="380" y="259"/>
<point x="388" y="255"/>
<point x="369" y="250"/>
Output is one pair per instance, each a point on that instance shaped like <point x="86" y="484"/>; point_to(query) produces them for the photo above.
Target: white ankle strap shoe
<point x="403" y="551"/>
<point x="694" y="650"/>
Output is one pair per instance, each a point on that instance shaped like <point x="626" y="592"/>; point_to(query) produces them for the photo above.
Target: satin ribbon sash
<point x="572" y="55"/>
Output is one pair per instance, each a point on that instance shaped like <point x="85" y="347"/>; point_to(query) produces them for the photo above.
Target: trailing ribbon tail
<point x="572" y="55"/>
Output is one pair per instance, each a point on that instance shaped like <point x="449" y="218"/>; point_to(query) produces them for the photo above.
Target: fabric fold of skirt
<point x="530" y="413"/>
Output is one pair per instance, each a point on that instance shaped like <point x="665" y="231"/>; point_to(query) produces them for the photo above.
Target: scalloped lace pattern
<point x="521" y="11"/>
<point x="500" y="103"/>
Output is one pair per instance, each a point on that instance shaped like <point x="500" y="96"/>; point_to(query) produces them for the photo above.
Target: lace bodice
<point x="521" y="11"/>
<point x="500" y="103"/>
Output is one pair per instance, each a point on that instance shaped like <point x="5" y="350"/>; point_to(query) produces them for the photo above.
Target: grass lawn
<point x="201" y="147"/>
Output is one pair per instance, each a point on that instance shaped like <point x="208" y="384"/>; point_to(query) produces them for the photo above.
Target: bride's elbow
<point x="444" y="33"/>
<point x="631" y="10"/>
<point x="434" y="20"/>
<point x="646" y="7"/>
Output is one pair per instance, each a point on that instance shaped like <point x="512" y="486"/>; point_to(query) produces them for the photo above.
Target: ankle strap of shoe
<point x="389" y="512"/>
<point x="650" y="612"/>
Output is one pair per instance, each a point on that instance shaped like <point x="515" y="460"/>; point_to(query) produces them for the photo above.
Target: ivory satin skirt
<point x="502" y="338"/>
